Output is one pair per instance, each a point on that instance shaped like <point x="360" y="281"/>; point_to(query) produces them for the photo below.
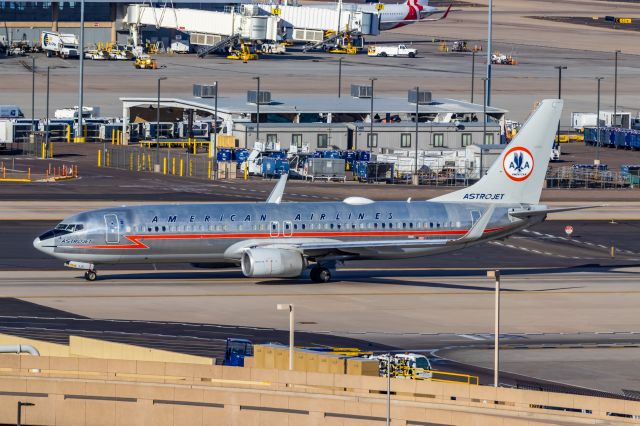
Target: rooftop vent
<point x="359" y="91"/>
<point x="204" y="90"/>
<point x="263" y="98"/>
<point x="423" y="97"/>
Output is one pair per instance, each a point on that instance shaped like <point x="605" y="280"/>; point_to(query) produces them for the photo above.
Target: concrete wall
<point x="78" y="391"/>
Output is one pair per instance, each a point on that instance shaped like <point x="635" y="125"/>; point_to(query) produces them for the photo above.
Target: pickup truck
<point x="399" y="50"/>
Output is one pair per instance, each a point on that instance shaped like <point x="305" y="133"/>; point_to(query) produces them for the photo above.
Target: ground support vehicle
<point x="273" y="48"/>
<point x="145" y="62"/>
<point x="399" y="50"/>
<point x="62" y="45"/>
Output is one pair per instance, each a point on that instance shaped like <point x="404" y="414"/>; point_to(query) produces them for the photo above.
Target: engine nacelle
<point x="270" y="262"/>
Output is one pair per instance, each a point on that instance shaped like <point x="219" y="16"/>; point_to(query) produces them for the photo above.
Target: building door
<point x="112" y="227"/>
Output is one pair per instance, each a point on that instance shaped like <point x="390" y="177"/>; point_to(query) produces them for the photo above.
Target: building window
<point x="438" y="139"/>
<point x="323" y="140"/>
<point x="466" y="139"/>
<point x="405" y="140"/>
<point x="372" y="140"/>
<point x="296" y="140"/>
<point x="488" y="138"/>
<point x="272" y="139"/>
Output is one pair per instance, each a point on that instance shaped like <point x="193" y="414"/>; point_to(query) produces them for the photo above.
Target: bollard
<point x="118" y="141"/>
<point x="44" y="151"/>
<point x="106" y="159"/>
<point x="209" y="169"/>
<point x="99" y="158"/>
<point x="190" y="168"/>
<point x="181" y="167"/>
<point x="113" y="137"/>
<point x="246" y="171"/>
<point x="613" y="250"/>
<point x="164" y="166"/>
<point x="69" y="134"/>
<point x="173" y="166"/>
<point x="195" y="146"/>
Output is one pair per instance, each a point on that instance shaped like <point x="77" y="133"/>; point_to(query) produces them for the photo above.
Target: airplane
<point x="284" y="239"/>
<point x="394" y="16"/>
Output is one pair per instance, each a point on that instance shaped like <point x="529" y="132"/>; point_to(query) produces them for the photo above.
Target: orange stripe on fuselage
<point x="138" y="244"/>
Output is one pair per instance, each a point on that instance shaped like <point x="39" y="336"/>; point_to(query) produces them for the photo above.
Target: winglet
<point x="278" y="191"/>
<point x="477" y="230"/>
<point x="447" y="12"/>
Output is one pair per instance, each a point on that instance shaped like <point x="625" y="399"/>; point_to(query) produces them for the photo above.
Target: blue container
<point x="240" y="155"/>
<point x="590" y="135"/>
<point x="363" y="155"/>
<point x="316" y="154"/>
<point x="224" y="155"/>
<point x="634" y="143"/>
<point x="330" y="154"/>
<point x="274" y="166"/>
<point x="277" y="154"/>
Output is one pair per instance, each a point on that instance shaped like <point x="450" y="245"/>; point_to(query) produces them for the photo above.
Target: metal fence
<point x="168" y="162"/>
<point x="571" y="177"/>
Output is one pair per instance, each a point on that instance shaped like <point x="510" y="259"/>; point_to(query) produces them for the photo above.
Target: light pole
<point x="473" y="72"/>
<point x="20" y="405"/>
<point x="485" y="82"/>
<point x="257" y="110"/>
<point x="158" y="123"/>
<point x="79" y="130"/>
<point x="33" y="93"/>
<point x="215" y="135"/>
<point x="416" y="180"/>
<point x="597" y="160"/>
<point x="46" y="122"/>
<point x="371" y="117"/>
<point x="487" y="95"/>
<point x="615" y="90"/>
<point x="389" y="389"/>
<point x="495" y="274"/>
<point x="289" y="307"/>
<point x="559" y="68"/>
<point x="339" y="77"/>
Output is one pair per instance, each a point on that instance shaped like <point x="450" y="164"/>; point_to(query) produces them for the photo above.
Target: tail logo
<point x="518" y="164"/>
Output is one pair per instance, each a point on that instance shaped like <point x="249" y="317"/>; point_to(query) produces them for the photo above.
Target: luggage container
<point x="224" y="155"/>
<point x="590" y="135"/>
<point x="369" y="171"/>
<point x="331" y="154"/>
<point x="631" y="173"/>
<point x="272" y="167"/>
<point x="324" y="168"/>
<point x="240" y="155"/>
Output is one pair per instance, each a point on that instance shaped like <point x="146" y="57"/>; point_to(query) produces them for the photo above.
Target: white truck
<point x="62" y="45"/>
<point x="399" y="50"/>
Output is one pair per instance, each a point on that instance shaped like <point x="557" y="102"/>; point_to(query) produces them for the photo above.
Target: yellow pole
<point x="164" y="166"/>
<point x="149" y="161"/>
<point x="69" y="133"/>
<point x="118" y="138"/>
<point x="246" y="170"/>
<point x="131" y="161"/>
<point x="173" y="166"/>
<point x="210" y="149"/>
<point x="44" y="151"/>
<point x="113" y="137"/>
<point x="106" y="159"/>
<point x="99" y="158"/>
<point x="190" y="168"/>
<point x="50" y="150"/>
<point x="209" y="169"/>
<point x="181" y="167"/>
<point x="194" y="145"/>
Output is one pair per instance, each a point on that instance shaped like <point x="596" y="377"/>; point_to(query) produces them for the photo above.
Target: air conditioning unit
<point x="204" y="90"/>
<point x="359" y="91"/>
<point x="263" y="98"/>
<point x="423" y="97"/>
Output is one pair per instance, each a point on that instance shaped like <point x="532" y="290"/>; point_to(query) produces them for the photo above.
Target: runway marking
<point x="471" y="336"/>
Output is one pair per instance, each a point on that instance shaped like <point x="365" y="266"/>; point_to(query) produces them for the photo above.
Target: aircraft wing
<point x="346" y="245"/>
<point x="278" y="191"/>
<point x="524" y="214"/>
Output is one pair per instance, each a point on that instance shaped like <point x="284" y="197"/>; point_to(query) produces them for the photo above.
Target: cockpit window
<point x="69" y="227"/>
<point x="54" y="233"/>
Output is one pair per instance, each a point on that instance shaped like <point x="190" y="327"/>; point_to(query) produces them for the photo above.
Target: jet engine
<point x="269" y="262"/>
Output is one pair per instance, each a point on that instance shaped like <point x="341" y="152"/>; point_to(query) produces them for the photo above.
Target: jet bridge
<point x="206" y="28"/>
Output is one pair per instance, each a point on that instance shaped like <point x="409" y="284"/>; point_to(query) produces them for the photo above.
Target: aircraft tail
<point x="517" y="176"/>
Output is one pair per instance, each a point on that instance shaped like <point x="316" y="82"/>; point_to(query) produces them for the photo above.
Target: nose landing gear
<point x="90" y="275"/>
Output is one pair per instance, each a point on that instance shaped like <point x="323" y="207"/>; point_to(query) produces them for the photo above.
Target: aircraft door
<point x="274" y="229"/>
<point x="112" y="227"/>
<point x="287" y="228"/>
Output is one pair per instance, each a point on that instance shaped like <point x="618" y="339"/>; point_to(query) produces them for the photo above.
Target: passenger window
<point x="411" y="225"/>
<point x="430" y="224"/>
<point x="149" y="229"/>
<point x="383" y="224"/>
<point x="295" y="226"/>
<point x="375" y="225"/>
<point x="303" y="226"/>
<point x="390" y="225"/>
<point x="164" y="229"/>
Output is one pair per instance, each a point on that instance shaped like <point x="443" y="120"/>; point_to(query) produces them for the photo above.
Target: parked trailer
<point x="325" y="168"/>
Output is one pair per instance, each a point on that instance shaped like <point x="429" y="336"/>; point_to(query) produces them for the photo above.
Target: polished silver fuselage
<point x="215" y="232"/>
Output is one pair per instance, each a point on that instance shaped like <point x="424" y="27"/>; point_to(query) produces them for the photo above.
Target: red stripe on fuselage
<point x="138" y="244"/>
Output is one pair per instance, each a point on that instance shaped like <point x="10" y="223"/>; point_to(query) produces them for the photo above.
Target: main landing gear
<point x="320" y="274"/>
<point x="90" y="275"/>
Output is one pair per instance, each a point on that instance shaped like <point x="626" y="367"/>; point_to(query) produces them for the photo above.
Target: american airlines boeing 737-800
<point x="275" y="239"/>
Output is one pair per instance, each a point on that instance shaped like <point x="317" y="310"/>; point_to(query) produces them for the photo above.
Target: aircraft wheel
<point x="320" y="274"/>
<point x="90" y="275"/>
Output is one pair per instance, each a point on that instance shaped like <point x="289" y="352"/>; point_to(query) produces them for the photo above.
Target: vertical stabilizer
<point x="517" y="176"/>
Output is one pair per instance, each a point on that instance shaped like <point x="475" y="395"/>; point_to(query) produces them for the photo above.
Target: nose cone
<point x="40" y="246"/>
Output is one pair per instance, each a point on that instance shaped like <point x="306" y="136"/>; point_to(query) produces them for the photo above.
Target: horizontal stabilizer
<point x="524" y="214"/>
